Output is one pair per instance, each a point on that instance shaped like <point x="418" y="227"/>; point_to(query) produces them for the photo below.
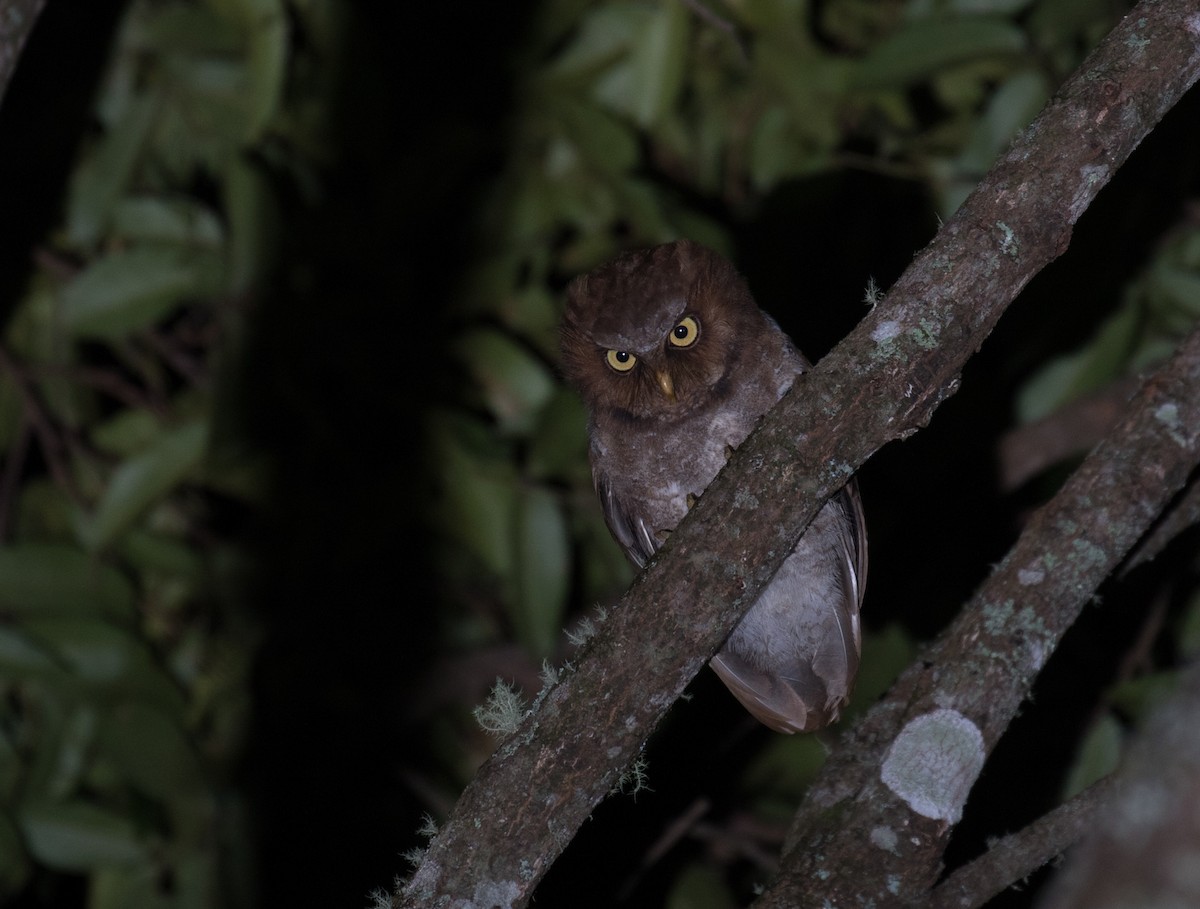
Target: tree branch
<point x="882" y="383"/>
<point x="1071" y="430"/>
<point x="17" y="18"/>
<point x="1015" y="857"/>
<point x="910" y="764"/>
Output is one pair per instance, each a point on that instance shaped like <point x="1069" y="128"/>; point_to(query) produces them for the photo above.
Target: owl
<point x="676" y="364"/>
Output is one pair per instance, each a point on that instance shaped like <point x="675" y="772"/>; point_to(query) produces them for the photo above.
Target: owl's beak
<point x="665" y="384"/>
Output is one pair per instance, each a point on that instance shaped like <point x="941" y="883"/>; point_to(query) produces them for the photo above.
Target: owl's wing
<point x="627" y="527"/>
<point x="812" y="692"/>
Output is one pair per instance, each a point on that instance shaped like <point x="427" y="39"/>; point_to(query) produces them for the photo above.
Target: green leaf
<point x="604" y="568"/>
<point x="515" y="384"/>
<point x="1010" y="108"/>
<point x="254" y="226"/>
<point x="15" y="866"/>
<point x="603" y="34"/>
<point x="71" y="744"/>
<point x="646" y="84"/>
<point x="978" y="7"/>
<point x="45" y="512"/>
<point x="105" y="176"/>
<point x="151" y="751"/>
<point x="773" y="151"/>
<point x="154" y="553"/>
<point x="107" y="659"/>
<point x="127" y="432"/>
<point x="143" y="480"/>
<point x="182" y="30"/>
<point x="1064" y="378"/>
<point x="700" y="887"/>
<point x="604" y="141"/>
<point x="476" y="502"/>
<point x="11" y="770"/>
<point x="77" y="836"/>
<point x="885" y="654"/>
<point x="543" y="571"/>
<point x="1181" y="287"/>
<point x="139" y="885"/>
<point x="57" y="580"/>
<point x="266" y="67"/>
<point x="179" y="221"/>
<point x="1098" y="755"/>
<point x="922" y="48"/>
<point x="1135" y="698"/>
<point x="131" y="289"/>
<point x="1188" y="634"/>
<point x="94" y="651"/>
<point x="558" y="446"/>
<point x="22" y="657"/>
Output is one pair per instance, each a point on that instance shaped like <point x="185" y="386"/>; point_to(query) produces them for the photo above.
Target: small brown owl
<point x="676" y="364"/>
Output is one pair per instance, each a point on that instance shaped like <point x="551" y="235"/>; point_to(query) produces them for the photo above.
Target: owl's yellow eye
<point x="620" y="360"/>
<point x="685" y="333"/>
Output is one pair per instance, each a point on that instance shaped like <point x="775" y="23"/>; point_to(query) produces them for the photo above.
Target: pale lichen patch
<point x="885" y="838"/>
<point x="886" y="331"/>
<point x="1168" y="415"/>
<point x="494" y="895"/>
<point x="934" y="762"/>
<point x="1091" y="175"/>
<point x="1029" y="577"/>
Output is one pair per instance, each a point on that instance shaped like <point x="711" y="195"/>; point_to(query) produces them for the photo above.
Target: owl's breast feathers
<point x="793" y="659"/>
<point x="645" y="476"/>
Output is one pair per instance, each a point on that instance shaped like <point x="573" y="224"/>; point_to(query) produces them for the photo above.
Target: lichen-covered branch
<point x="911" y="763"/>
<point x="882" y="383"/>
<point x="16" y="22"/>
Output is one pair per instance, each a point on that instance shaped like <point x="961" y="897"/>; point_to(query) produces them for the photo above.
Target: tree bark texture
<point x="876" y="822"/>
<point x="881" y="383"/>
<point x="16" y="22"/>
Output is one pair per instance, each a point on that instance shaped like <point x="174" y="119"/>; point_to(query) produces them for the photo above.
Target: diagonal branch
<point x="914" y="758"/>
<point x="17" y="18"/>
<point x="882" y="383"/>
<point x="1018" y="855"/>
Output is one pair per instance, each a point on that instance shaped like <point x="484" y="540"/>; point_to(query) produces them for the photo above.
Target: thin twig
<point x="1183" y="515"/>
<point x="107" y="381"/>
<point x="720" y="24"/>
<point x="1070" y="430"/>
<point x="180" y="360"/>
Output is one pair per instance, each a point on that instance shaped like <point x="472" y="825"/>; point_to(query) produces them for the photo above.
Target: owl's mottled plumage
<point x="676" y="364"/>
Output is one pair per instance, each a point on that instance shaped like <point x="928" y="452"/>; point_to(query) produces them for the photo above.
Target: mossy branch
<point x="882" y="383"/>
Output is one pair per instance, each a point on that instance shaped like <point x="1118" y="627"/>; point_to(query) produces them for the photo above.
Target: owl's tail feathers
<point x="785" y="705"/>
<point x="808" y="694"/>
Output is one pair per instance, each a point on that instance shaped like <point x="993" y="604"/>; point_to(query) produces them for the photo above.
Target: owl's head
<point x="656" y="333"/>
